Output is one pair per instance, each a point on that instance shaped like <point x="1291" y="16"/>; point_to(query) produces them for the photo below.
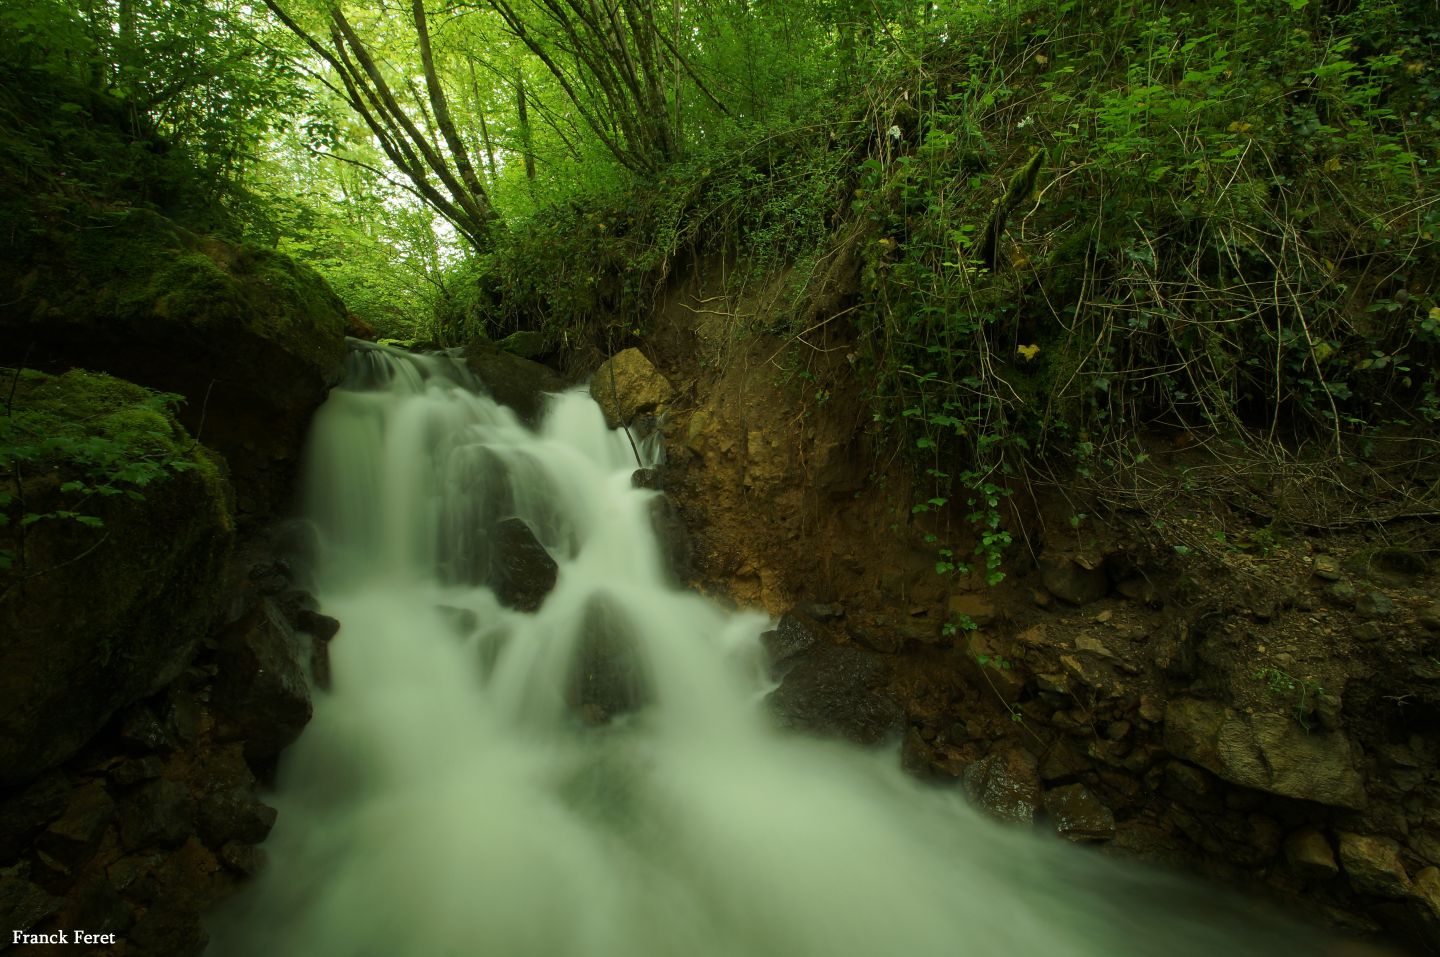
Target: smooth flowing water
<point x="448" y="800"/>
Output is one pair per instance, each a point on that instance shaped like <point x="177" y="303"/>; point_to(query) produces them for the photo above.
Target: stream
<point x="450" y="799"/>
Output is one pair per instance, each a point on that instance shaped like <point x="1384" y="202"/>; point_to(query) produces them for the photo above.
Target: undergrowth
<point x="1074" y="226"/>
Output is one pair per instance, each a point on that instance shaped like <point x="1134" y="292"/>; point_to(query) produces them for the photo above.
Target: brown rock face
<point x="1310" y="855"/>
<point x="1267" y="752"/>
<point x="627" y="385"/>
<point x="1373" y="865"/>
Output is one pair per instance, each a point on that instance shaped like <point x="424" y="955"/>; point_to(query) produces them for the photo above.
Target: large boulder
<point x="112" y="260"/>
<point x="251" y="339"/>
<point x="607" y="675"/>
<point x="261" y="693"/>
<point x="836" y="691"/>
<point x="522" y="571"/>
<point x="118" y="527"/>
<point x="628" y="385"/>
<point x="1267" y="752"/>
<point x="512" y="380"/>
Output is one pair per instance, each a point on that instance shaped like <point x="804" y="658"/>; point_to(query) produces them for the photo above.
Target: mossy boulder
<point x="252" y="340"/>
<point x="124" y="274"/>
<point x="116" y="529"/>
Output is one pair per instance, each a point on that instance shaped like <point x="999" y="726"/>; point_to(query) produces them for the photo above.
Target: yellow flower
<point x="1028" y="353"/>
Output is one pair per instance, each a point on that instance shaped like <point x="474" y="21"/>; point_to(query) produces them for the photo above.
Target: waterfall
<point x="450" y="798"/>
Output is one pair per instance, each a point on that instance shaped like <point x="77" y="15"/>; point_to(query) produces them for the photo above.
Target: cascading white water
<point x="446" y="799"/>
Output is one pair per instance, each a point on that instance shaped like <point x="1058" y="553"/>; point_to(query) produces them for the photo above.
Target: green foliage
<point x="89" y="436"/>
<point x="589" y="268"/>
<point x="1302" y="692"/>
<point x="206" y="75"/>
<point x="1228" y="232"/>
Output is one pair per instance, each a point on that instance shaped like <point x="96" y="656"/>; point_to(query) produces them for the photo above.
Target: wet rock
<point x="674" y="538"/>
<point x="627" y="385"/>
<point x="646" y="478"/>
<point x="271" y="577"/>
<point x="523" y="573"/>
<point x="260" y="689"/>
<point x="917" y="757"/>
<point x="244" y="859"/>
<point x="1265" y="751"/>
<point x="1373" y="865"/>
<point x="1310" y="855"/>
<point x="233" y="814"/>
<point x="837" y="691"/>
<point x="795" y="634"/>
<point x="1006" y="784"/>
<point x="320" y="627"/>
<point x="156" y="814"/>
<point x="607" y="675"/>
<point x="1078" y="815"/>
<point x="1073" y="582"/>
<point x="462" y="621"/>
<point x="74" y="837"/>
<point x="23" y="904"/>
<point x="320" y="672"/>
<point x="513" y="381"/>
<point x="1375" y="604"/>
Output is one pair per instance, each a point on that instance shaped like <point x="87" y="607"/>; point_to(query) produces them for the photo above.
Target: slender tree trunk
<point x="675" y="72"/>
<point x="441" y="106"/>
<point x="526" y="140"/>
<point x="493" y="171"/>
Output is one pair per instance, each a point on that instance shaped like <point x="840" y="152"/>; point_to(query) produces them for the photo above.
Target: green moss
<point x="100" y="436"/>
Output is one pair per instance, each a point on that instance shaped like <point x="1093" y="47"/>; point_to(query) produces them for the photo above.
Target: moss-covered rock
<point x="120" y="274"/>
<point x="117" y="525"/>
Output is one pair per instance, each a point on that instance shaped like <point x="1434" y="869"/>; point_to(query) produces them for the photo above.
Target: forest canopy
<point x="1044" y="220"/>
